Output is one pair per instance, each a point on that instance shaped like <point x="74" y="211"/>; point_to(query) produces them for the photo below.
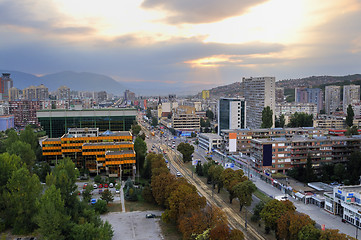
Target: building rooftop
<point x="211" y="135"/>
<point x="119" y="153"/>
<point x="107" y="143"/>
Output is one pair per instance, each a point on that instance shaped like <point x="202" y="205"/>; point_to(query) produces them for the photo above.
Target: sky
<point x="181" y="46"/>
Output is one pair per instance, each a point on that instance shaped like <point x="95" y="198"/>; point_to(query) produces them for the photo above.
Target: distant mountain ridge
<point x="75" y="81"/>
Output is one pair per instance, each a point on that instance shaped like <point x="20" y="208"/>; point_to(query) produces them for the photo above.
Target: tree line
<point x="183" y="205"/>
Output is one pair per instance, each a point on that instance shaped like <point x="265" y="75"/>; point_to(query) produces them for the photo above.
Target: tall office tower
<point x="259" y="93"/>
<point x="350" y="93"/>
<point x="332" y="98"/>
<point x="309" y="95"/>
<point x="280" y="94"/>
<point x="5" y="84"/>
<point x="231" y="113"/>
<point x="63" y="93"/>
<point x="129" y="96"/>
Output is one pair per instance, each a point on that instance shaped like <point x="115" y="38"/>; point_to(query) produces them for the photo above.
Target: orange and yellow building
<point x="109" y="152"/>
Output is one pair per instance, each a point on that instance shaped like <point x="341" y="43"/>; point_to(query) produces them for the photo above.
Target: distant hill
<point x="75" y="81"/>
<point x="234" y="89"/>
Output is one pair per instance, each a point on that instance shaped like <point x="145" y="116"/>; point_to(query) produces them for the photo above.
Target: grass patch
<point x="278" y="175"/>
<point x="169" y="231"/>
<point x="114" y="207"/>
<point x="261" y="196"/>
<point x="140" y="205"/>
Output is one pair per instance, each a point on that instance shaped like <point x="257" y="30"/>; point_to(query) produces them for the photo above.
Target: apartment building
<point x="309" y="95"/>
<point x="209" y="141"/>
<point x="36" y="93"/>
<point x="109" y="152"/>
<point x="259" y="92"/>
<point x="288" y="109"/>
<point x="24" y="112"/>
<point x="332" y="99"/>
<point x="350" y="93"/>
<point x="231" y="113"/>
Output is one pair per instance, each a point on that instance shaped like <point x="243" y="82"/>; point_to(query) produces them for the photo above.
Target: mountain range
<point x="75" y="81"/>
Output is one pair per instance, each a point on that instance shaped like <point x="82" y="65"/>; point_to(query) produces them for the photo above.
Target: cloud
<point x="196" y="11"/>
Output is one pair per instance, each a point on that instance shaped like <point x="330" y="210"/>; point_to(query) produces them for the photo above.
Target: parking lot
<point x="96" y="193"/>
<point x="134" y="225"/>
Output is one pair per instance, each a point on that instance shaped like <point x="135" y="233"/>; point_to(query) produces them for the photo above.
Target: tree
<point x="23" y="190"/>
<point x="309" y="232"/>
<point x="350" y="115"/>
<point x="101" y="206"/>
<point x="161" y="186"/>
<point x="136" y="129"/>
<point x="187" y="150"/>
<point x="149" y="113"/>
<point x="215" y="172"/>
<point x="24" y="151"/>
<point x="154" y="121"/>
<point x="92" y="231"/>
<point x="273" y="210"/>
<point x="230" y="178"/>
<point x="257" y="211"/>
<point x="244" y="191"/>
<point x="184" y="198"/>
<point x="51" y="219"/>
<point x="339" y="172"/>
<point x="301" y="120"/>
<point x="209" y="114"/>
<point x="354" y="167"/>
<point x="87" y="193"/>
<point x="42" y="169"/>
<point x="353" y="130"/>
<point x="140" y="148"/>
<point x="107" y="196"/>
<point x="333" y="234"/>
<point x="267" y="117"/>
<point x="280" y="122"/>
<point x="291" y="223"/>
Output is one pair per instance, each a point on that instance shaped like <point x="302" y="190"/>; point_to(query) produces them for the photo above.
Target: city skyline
<point x="182" y="44"/>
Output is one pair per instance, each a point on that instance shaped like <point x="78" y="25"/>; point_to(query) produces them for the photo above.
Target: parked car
<point x="150" y="215"/>
<point x="111" y="185"/>
<point x="117" y="191"/>
<point x="106" y="185"/>
<point x="179" y="174"/>
<point x="85" y="185"/>
<point x="93" y="201"/>
<point x="100" y="185"/>
<point x="95" y="186"/>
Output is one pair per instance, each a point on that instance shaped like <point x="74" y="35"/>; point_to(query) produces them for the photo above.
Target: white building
<point x="209" y="141"/>
<point x="231" y="113"/>
<point x="350" y="93"/>
<point x="332" y="98"/>
<point x="259" y="93"/>
<point x="288" y="109"/>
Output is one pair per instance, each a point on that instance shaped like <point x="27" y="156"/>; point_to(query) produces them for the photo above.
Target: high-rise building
<point x="24" y="112"/>
<point x="129" y="96"/>
<point x="5" y="84"/>
<point x="309" y="95"/>
<point x="63" y="93"/>
<point x="231" y="113"/>
<point x="280" y="97"/>
<point x="13" y="94"/>
<point x="205" y="94"/>
<point x="36" y="93"/>
<point x="259" y="93"/>
<point x="350" y="93"/>
<point x="332" y="98"/>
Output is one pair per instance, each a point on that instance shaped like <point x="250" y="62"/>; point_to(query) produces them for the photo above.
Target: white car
<point x="117" y="191"/>
<point x="111" y="185"/>
<point x="178" y="174"/>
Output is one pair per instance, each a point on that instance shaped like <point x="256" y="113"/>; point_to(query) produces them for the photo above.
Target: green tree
<point x="187" y="150"/>
<point x="353" y="130"/>
<point x="339" y="172"/>
<point x="350" y="115"/>
<point x="257" y="211"/>
<point x="230" y="178"/>
<point x="87" y="193"/>
<point x="267" y="117"/>
<point x="24" y="151"/>
<point x="215" y="172"/>
<point x="51" y="218"/>
<point x="154" y="121"/>
<point x="101" y="206"/>
<point x="42" y="169"/>
<point x="92" y="231"/>
<point x="23" y="190"/>
<point x="209" y="114"/>
<point x="354" y="167"/>
<point x="140" y="148"/>
<point x="301" y="120"/>
<point x="309" y="232"/>
<point x="244" y="191"/>
<point x="136" y="129"/>
<point x="12" y="136"/>
<point x="107" y="196"/>
<point x="310" y="176"/>
<point x="280" y="122"/>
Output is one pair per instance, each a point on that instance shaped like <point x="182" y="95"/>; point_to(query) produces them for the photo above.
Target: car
<point x="100" y="191"/>
<point x="93" y="201"/>
<point x="100" y="186"/>
<point x="117" y="191"/>
<point x="106" y="185"/>
<point x="178" y="174"/>
<point x="95" y="186"/>
<point x="150" y="215"/>
<point x="85" y="185"/>
<point x="111" y="185"/>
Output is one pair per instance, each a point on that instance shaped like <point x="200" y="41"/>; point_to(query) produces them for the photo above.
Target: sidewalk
<point x="122" y="201"/>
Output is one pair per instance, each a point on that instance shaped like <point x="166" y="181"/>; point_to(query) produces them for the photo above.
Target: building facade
<point x="350" y="93"/>
<point x="5" y="84"/>
<point x="36" y="93"/>
<point x="288" y="109"/>
<point x="109" y="152"/>
<point x="6" y="122"/>
<point x="24" y="112"/>
<point x="231" y="113"/>
<point x="57" y="122"/>
<point x="259" y="93"/>
<point x="332" y="99"/>
<point x="63" y="93"/>
<point x="309" y="95"/>
<point x="209" y="141"/>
